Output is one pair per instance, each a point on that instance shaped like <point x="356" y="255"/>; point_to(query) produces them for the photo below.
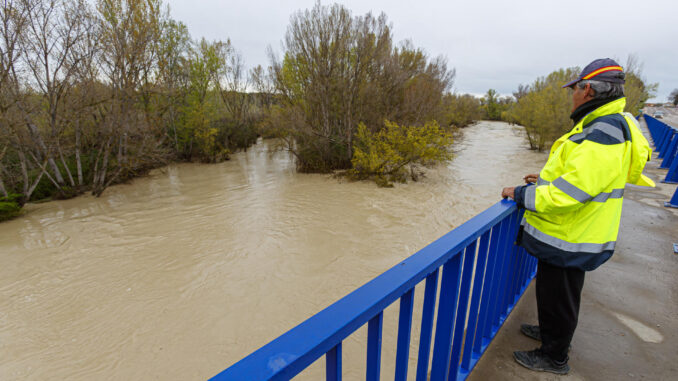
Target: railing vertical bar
<point x="404" y="329"/>
<point x="374" y="328"/>
<point x="447" y="306"/>
<point x="333" y="364"/>
<point x="509" y="263"/>
<point x="522" y="269"/>
<point x="517" y="268"/>
<point x="521" y="275"/>
<point x="462" y="307"/>
<point x="499" y="283"/>
<point x="474" y="315"/>
<point x="427" y="325"/>
<point x="485" y="322"/>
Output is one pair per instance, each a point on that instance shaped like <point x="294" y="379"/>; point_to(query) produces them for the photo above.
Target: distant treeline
<point x="92" y="95"/>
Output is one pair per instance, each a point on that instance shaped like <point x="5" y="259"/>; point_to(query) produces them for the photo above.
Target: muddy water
<point x="180" y="274"/>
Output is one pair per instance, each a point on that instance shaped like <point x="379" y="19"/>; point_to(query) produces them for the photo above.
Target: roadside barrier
<point x="483" y="276"/>
<point x="674" y="200"/>
<point x="665" y="139"/>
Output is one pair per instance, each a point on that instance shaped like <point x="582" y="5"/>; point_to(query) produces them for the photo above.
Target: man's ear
<point x="589" y="92"/>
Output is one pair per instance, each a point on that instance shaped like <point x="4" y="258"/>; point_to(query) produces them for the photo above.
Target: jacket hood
<point x="641" y="152"/>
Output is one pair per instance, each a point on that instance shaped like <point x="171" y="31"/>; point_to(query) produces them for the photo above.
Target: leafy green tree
<point x="491" y="105"/>
<point x="393" y="153"/>
<point x="461" y="110"/>
<point x="544" y="112"/>
<point x="338" y="71"/>
<point x="198" y="137"/>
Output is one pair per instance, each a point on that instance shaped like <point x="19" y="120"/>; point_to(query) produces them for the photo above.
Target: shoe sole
<point x="561" y="372"/>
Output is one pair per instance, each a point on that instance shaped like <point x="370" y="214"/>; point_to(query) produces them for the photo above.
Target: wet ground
<point x="627" y="323"/>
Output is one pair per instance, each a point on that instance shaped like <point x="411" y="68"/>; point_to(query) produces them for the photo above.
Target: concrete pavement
<point x="628" y="321"/>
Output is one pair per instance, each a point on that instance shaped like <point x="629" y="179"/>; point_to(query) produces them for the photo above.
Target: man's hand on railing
<point x="508" y="192"/>
<point x="531" y="178"/>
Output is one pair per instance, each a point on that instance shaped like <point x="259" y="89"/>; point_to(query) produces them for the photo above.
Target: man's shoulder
<point x="605" y="129"/>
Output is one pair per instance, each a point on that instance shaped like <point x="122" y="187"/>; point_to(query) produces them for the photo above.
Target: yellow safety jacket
<point x="573" y="212"/>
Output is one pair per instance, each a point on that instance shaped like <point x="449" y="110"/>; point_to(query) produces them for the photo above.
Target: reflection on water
<point x="182" y="273"/>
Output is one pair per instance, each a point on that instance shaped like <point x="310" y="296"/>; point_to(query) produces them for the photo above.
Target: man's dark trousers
<point x="558" y="297"/>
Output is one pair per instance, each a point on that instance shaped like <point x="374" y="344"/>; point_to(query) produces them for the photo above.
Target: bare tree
<point x="53" y="29"/>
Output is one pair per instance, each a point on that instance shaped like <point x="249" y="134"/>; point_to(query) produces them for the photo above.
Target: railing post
<point x="374" y="328"/>
<point x="404" y="329"/>
<point x="674" y="200"/>
<point x="462" y="307"/>
<point x="427" y="325"/>
<point x="670" y="152"/>
<point x="473" y="332"/>
<point x="495" y="301"/>
<point x="665" y="142"/>
<point x="333" y="364"/>
<point x="447" y="307"/>
<point x="672" y="174"/>
<point x="485" y="320"/>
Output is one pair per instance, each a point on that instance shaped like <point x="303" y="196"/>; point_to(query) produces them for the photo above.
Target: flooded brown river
<point x="178" y="275"/>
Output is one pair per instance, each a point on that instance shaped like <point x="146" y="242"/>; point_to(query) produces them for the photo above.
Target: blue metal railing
<point x="665" y="139"/>
<point x="483" y="276"/>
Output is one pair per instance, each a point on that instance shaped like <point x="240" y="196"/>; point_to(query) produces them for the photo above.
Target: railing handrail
<point x="292" y="352"/>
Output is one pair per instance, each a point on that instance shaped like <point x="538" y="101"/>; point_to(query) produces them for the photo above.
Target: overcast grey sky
<point x="492" y="44"/>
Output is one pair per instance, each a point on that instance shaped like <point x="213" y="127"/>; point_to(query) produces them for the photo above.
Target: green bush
<point x="387" y="155"/>
<point x="10" y="207"/>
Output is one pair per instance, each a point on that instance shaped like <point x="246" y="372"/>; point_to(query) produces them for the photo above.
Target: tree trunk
<point x="68" y="171"/>
<point x="35" y="133"/>
<point x="78" y="161"/>
<point x="3" y="191"/>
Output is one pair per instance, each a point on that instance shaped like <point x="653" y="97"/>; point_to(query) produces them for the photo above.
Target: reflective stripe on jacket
<point x="574" y="210"/>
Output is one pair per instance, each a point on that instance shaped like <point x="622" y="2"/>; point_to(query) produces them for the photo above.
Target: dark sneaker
<point x="531" y="331"/>
<point x="536" y="360"/>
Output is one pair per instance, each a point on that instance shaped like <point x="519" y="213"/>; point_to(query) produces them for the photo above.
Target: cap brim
<point x="571" y="83"/>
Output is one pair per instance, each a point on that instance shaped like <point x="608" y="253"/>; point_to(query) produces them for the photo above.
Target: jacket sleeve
<point x="588" y="169"/>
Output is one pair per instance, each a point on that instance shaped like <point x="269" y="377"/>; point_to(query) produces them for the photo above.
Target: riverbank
<point x="627" y="323"/>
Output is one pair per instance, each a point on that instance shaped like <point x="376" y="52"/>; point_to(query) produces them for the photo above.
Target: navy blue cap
<point x="602" y="69"/>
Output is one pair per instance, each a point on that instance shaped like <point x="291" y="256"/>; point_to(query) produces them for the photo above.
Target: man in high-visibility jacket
<point x="573" y="206"/>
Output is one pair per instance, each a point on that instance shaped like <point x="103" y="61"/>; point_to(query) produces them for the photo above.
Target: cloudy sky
<point x="491" y="44"/>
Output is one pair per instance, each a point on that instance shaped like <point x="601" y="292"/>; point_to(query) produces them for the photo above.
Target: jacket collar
<point x="597" y="108"/>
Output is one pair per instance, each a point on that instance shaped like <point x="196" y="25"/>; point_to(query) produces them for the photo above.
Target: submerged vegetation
<point x="339" y="72"/>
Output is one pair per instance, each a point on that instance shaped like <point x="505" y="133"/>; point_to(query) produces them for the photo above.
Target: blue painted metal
<point x="666" y="142"/>
<point x="460" y="321"/>
<point x="672" y="174"/>
<point x="427" y="326"/>
<point x="374" y="328"/>
<point x="485" y="319"/>
<point x="404" y="329"/>
<point x="656" y="128"/>
<point x="670" y="152"/>
<point x="483" y="286"/>
<point x="674" y="200"/>
<point x="447" y="308"/>
<point x="333" y="364"/>
<point x="474" y="314"/>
